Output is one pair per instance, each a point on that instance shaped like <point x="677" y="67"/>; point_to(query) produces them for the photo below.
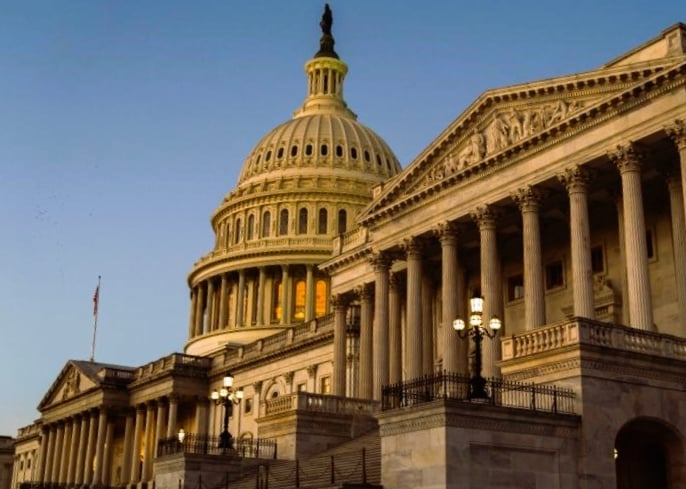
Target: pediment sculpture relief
<point x="504" y="129"/>
<point x="72" y="384"/>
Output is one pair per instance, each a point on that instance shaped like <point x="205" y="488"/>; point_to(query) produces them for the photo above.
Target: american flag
<point x="96" y="298"/>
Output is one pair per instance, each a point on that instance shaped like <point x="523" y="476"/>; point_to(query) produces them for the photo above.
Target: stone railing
<point x="349" y="240"/>
<point x="29" y="431"/>
<point x="588" y="332"/>
<point x="262" y="244"/>
<point x="115" y="374"/>
<point x="173" y="362"/>
<point x="277" y="341"/>
<point x="322" y="403"/>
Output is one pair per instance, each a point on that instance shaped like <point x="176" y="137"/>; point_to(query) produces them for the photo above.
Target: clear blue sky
<point x="123" y="124"/>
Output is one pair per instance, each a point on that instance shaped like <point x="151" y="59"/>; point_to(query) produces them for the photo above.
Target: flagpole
<point x="96" y="299"/>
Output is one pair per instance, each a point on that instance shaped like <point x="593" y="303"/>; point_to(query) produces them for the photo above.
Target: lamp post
<point x="477" y="330"/>
<point x="226" y="397"/>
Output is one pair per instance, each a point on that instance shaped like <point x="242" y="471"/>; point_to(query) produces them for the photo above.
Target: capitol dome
<point x="300" y="187"/>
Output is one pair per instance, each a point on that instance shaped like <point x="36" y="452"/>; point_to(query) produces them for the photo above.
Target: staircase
<point x="353" y="464"/>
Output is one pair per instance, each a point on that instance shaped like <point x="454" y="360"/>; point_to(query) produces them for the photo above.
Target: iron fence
<point x="449" y="385"/>
<point x="210" y="445"/>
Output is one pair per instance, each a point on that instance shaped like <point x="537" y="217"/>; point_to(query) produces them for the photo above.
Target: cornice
<point x="632" y="95"/>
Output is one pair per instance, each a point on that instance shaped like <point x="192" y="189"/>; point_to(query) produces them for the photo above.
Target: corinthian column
<point x="427" y="325"/>
<point x="677" y="132"/>
<point x="285" y="295"/>
<point x="413" y="343"/>
<point x="223" y="302"/>
<point x="529" y="199"/>
<point x="260" y="295"/>
<point x="211" y="303"/>
<point x="366" y="317"/>
<point x="339" y="337"/>
<point x="382" y="265"/>
<point x="676" y="200"/>
<point x="100" y="448"/>
<point x="395" y="366"/>
<point x="576" y="181"/>
<point x="310" y="293"/>
<point x="628" y="160"/>
<point x="191" y="321"/>
<point x="452" y="293"/>
<point x="200" y="311"/>
<point x="491" y="284"/>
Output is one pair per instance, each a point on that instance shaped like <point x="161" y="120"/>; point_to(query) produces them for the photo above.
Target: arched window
<point x="342" y="221"/>
<point x="283" y="222"/>
<point x="322" y="227"/>
<point x="299" y="313"/>
<point x="308" y="150"/>
<point x="237" y="231"/>
<point x="302" y="221"/>
<point x="251" y="227"/>
<point x="266" y="223"/>
<point x="321" y="293"/>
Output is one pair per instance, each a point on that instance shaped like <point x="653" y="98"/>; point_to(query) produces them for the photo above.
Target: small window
<point x="302" y="221"/>
<point x="266" y="224"/>
<point x="251" y="227"/>
<point x="339" y="151"/>
<point x="342" y="221"/>
<point x="353" y="153"/>
<point x="325" y="385"/>
<point x="554" y="276"/>
<point x="366" y="156"/>
<point x="237" y="231"/>
<point x="248" y="405"/>
<point x="515" y="287"/>
<point x="283" y="222"/>
<point x="294" y="150"/>
<point x="308" y="150"/>
<point x="597" y="259"/>
<point x="324" y="150"/>
<point x="257" y="161"/>
<point x="274" y="395"/>
<point x="269" y="155"/>
<point x="378" y="160"/>
<point x="279" y="153"/>
<point x="302" y="387"/>
<point x="322" y="227"/>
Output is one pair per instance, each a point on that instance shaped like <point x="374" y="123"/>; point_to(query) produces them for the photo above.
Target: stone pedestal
<point x="191" y="470"/>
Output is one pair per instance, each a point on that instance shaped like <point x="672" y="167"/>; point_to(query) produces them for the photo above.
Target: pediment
<point x="514" y="120"/>
<point x="71" y="381"/>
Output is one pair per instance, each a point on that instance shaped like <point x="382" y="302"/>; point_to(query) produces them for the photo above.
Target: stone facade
<point x="335" y="279"/>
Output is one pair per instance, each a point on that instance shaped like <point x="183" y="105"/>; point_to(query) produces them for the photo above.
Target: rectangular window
<point x="554" y="276"/>
<point x="515" y="287"/>
<point x="248" y="405"/>
<point x="598" y="259"/>
<point x="325" y="385"/>
<point x="302" y="387"/>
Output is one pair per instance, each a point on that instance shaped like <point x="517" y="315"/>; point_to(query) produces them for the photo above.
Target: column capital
<point x="365" y="292"/>
<point x="339" y="301"/>
<point x="485" y="217"/>
<point x="312" y="370"/>
<point x="396" y="281"/>
<point x="627" y="157"/>
<point x="528" y="198"/>
<point x="257" y="387"/>
<point x="447" y="232"/>
<point x="677" y="133"/>
<point x="412" y="246"/>
<point x="380" y="260"/>
<point x="575" y="179"/>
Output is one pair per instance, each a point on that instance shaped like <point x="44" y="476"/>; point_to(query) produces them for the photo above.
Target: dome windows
<point x="322" y="225"/>
<point x="279" y="153"/>
<point x="268" y="156"/>
<point x="308" y="150"/>
<point x="378" y="160"/>
<point x="324" y="150"/>
<point x="266" y="224"/>
<point x="366" y="156"/>
<point x="342" y="221"/>
<point x="302" y="221"/>
<point x="339" y="150"/>
<point x="294" y="150"/>
<point x="353" y="153"/>
<point x="283" y="222"/>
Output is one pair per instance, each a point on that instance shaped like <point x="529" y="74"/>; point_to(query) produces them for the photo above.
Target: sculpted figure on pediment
<point x="473" y="152"/>
<point x="497" y="134"/>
